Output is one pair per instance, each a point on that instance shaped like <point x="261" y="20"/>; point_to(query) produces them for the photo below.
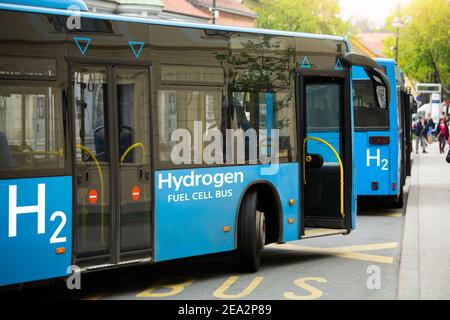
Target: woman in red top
<point x="442" y="130"/>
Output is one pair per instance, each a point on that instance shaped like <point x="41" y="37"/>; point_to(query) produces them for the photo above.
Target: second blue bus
<point x="382" y="137"/>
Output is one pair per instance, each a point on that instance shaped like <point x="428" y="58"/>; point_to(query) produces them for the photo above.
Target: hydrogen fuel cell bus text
<point x="89" y="116"/>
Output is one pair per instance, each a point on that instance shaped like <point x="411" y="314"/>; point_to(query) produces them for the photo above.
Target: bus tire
<point x="251" y="234"/>
<point x="398" y="203"/>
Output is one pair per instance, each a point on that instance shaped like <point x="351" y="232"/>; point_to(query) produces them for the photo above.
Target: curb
<point x="409" y="282"/>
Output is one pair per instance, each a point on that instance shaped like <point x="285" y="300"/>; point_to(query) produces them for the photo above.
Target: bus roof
<point x="358" y="73"/>
<point x="385" y="61"/>
<point x="60" y="9"/>
<point x="53" y="4"/>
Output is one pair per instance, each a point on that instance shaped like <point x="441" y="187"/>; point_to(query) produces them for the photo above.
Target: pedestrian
<point x="442" y="132"/>
<point x="421" y="134"/>
<point x="430" y="122"/>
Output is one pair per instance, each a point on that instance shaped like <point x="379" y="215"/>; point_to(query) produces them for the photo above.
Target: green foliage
<point x="311" y="16"/>
<point x="424" y="41"/>
<point x="262" y="64"/>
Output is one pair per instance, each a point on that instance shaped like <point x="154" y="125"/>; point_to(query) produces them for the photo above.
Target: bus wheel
<point x="251" y="234"/>
<point x="398" y="203"/>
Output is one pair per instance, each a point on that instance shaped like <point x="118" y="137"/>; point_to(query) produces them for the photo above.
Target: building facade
<point x="230" y="12"/>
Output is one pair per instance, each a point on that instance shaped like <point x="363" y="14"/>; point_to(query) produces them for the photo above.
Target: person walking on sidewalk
<point x="421" y="135"/>
<point x="442" y="131"/>
<point x="430" y="122"/>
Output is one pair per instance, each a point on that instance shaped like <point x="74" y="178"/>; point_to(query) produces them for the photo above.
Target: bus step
<point x="321" y="232"/>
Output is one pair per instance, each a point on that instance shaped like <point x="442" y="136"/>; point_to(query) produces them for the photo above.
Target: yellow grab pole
<point x="99" y="169"/>
<point x="134" y="146"/>
<point x="341" y="167"/>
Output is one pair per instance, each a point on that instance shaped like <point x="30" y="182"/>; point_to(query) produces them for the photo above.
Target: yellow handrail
<point x="341" y="168"/>
<point x="134" y="146"/>
<point x="99" y="169"/>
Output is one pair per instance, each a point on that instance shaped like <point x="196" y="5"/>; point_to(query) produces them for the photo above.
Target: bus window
<point x="266" y="111"/>
<point x="367" y="114"/>
<point x="179" y="109"/>
<point x="31" y="129"/>
<point x="321" y="106"/>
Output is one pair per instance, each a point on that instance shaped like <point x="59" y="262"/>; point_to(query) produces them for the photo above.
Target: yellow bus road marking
<point x="319" y="231"/>
<point x="393" y="215"/>
<point x="369" y="247"/>
<point x="93" y="296"/>
<point x="221" y="291"/>
<point x="302" y="283"/>
<point x="348" y="252"/>
<point x="166" y="288"/>
<point x="366" y="257"/>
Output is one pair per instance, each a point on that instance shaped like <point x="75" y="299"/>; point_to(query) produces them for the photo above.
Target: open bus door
<point x="325" y="134"/>
<point x="407" y="121"/>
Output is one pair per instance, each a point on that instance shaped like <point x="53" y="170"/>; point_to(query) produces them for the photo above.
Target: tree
<point x="317" y="16"/>
<point x="424" y="45"/>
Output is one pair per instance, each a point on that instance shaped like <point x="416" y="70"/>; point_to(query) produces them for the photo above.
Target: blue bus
<point x="126" y="141"/>
<point x="382" y="137"/>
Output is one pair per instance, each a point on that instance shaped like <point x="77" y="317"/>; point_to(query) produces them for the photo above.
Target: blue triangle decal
<point x="338" y="65"/>
<point x="136" y="47"/>
<point x="305" y="63"/>
<point x="82" y="44"/>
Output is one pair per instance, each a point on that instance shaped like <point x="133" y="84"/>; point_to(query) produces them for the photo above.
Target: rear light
<point x="394" y="186"/>
<point x="374" y="185"/>
<point x="379" y="140"/>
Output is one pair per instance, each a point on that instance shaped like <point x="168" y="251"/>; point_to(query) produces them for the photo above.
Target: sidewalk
<point x="425" y="260"/>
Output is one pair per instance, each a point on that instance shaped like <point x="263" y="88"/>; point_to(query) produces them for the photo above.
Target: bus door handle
<point x="83" y="178"/>
<point x="143" y="174"/>
<point x="314" y="161"/>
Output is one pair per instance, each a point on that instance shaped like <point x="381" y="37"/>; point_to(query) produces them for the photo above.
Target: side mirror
<point x="381" y="97"/>
<point x="381" y="87"/>
<point x="379" y="79"/>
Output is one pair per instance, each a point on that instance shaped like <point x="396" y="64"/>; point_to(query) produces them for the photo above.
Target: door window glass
<point x="92" y="161"/>
<point x="134" y="157"/>
<point x="323" y="106"/>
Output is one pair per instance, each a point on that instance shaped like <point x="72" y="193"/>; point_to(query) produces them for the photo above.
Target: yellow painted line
<point x="393" y="215"/>
<point x="345" y="252"/>
<point x="93" y="296"/>
<point x="319" y="231"/>
<point x="175" y="286"/>
<point x="315" y="293"/>
<point x="221" y="291"/>
<point x="366" y="257"/>
<point x="369" y="247"/>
